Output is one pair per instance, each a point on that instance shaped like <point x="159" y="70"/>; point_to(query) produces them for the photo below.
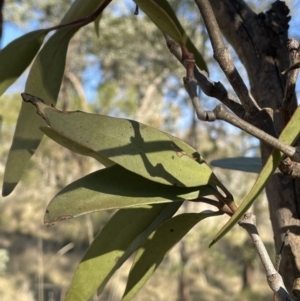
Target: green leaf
<point x="159" y="243"/>
<point x="80" y="9"/>
<point x="44" y="80"/>
<point x="114" y="188"/>
<point x="162" y="15"/>
<point x="75" y="147"/>
<point x="248" y="164"/>
<point x="18" y="55"/>
<point x="119" y="238"/>
<point x="97" y="24"/>
<point x="289" y="135"/>
<point x="167" y="211"/>
<point x="152" y="154"/>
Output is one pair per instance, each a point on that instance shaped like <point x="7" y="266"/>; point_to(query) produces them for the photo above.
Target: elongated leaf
<point x="159" y="243"/>
<point x="43" y="80"/>
<point x="80" y="9"/>
<point x="248" y="164"/>
<point x="167" y="211"/>
<point x="107" y="251"/>
<point x="141" y="149"/>
<point x="75" y="147"/>
<point x="289" y="135"/>
<point x="114" y="188"/>
<point x="97" y="24"/>
<point x="163" y="16"/>
<point x="17" y="56"/>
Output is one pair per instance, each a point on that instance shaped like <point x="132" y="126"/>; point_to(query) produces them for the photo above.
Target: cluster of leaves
<point x="147" y="175"/>
<point x="151" y="169"/>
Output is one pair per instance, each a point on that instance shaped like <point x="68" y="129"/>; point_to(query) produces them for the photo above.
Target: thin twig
<point x="209" y="87"/>
<point x="221" y="113"/>
<point x="222" y="56"/>
<point x="273" y="277"/>
<point x="218" y="91"/>
<point x="294" y="49"/>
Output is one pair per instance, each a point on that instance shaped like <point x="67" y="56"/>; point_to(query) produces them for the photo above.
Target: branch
<point x="221" y="113"/>
<point x="273" y="277"/>
<point x="209" y="87"/>
<point x="222" y="56"/>
<point x="218" y="91"/>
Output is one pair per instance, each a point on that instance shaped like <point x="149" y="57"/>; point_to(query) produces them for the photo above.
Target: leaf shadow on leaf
<point x="115" y="188"/>
<point x="149" y="147"/>
<point x="132" y="186"/>
<point x="138" y="146"/>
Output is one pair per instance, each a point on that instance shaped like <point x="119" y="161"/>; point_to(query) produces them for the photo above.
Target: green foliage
<point x="163" y="16"/>
<point x="44" y="79"/>
<point x="141" y="149"/>
<point x="129" y="228"/>
<point x="115" y="188"/>
<point x="158" y="244"/>
<point x="147" y="162"/>
<point x="80" y="9"/>
<point x="148" y="174"/>
<point x="17" y="56"/>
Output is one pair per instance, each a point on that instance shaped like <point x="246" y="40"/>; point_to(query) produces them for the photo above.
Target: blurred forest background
<point x="126" y="72"/>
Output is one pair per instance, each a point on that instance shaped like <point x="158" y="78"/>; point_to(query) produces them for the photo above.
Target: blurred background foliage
<point x="127" y="72"/>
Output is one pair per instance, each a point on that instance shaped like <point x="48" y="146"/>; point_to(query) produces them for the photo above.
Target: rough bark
<point x="260" y="42"/>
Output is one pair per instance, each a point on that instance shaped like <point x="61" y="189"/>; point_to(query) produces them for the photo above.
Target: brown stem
<point x="221" y="113"/>
<point x="209" y="87"/>
<point x="274" y="279"/>
<point x="222" y="56"/>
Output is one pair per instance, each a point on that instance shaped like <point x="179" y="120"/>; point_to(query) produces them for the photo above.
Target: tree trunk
<point x="260" y="42"/>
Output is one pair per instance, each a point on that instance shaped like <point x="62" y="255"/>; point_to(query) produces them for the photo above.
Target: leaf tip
<point x="8" y="188"/>
<point x="212" y="243"/>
